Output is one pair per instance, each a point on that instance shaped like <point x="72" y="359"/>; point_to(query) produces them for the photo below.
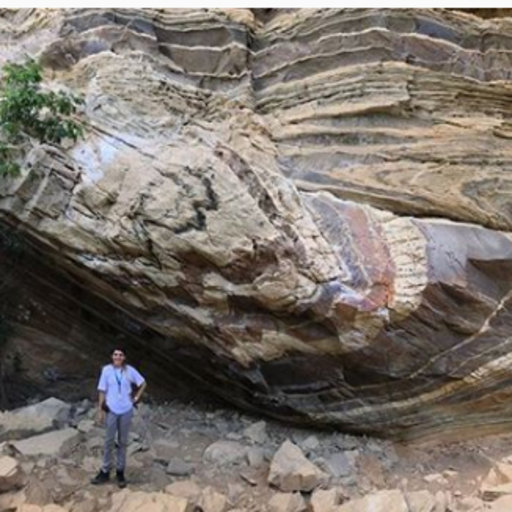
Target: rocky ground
<point x="192" y="457"/>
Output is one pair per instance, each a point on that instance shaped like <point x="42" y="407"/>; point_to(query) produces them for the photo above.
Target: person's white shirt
<point x="117" y="383"/>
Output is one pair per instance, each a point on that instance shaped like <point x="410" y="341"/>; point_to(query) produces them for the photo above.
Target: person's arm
<point x="140" y="391"/>
<point x="102" y="387"/>
<point x="140" y="383"/>
<point x="101" y="400"/>
<point x="101" y="411"/>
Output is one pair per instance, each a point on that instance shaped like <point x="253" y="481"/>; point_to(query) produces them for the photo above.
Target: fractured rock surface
<point x="33" y="419"/>
<point x="290" y="470"/>
<point x="311" y="213"/>
<point x="11" y="474"/>
<point x="51" y="443"/>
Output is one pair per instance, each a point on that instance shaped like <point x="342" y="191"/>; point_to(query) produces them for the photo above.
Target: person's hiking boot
<point x="121" y="481"/>
<point x="101" y="478"/>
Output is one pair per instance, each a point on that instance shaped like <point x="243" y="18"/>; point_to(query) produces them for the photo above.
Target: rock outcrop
<point x="308" y="211"/>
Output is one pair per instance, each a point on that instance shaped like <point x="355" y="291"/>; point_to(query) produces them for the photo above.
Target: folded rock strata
<point x="309" y="211"/>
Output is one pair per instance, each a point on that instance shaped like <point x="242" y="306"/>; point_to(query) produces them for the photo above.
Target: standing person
<point x="116" y="399"/>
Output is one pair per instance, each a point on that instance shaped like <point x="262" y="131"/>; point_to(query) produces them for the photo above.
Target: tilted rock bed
<point x="309" y="213"/>
<point x="184" y="455"/>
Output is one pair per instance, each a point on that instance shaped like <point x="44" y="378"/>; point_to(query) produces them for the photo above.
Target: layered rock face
<point x="310" y="211"/>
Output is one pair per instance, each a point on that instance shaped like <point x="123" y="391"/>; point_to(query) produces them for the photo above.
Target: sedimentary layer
<point x="312" y="206"/>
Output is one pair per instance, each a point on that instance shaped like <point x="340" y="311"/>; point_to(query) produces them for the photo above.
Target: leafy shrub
<point x="29" y="112"/>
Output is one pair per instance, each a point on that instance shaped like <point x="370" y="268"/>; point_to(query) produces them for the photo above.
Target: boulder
<point x="339" y="465"/>
<point x="325" y="500"/>
<point x="187" y="489"/>
<point x="310" y="444"/>
<point x="381" y="501"/>
<point x="500" y="473"/>
<point x="421" y="501"/>
<point x="64" y="478"/>
<point x="223" y="453"/>
<point x="503" y="504"/>
<point x="137" y="501"/>
<point x="256" y="433"/>
<point x="165" y="449"/>
<point x="470" y="504"/>
<point x="491" y="479"/>
<point x="33" y="419"/>
<point x="179" y="467"/>
<point x="212" y="501"/>
<point x="443" y="501"/>
<point x="11" y="501"/>
<point x="287" y="502"/>
<point x="86" y="426"/>
<point x="11" y="474"/>
<point x="436" y="478"/>
<point x="255" y="456"/>
<point x="497" y="491"/>
<point x="54" y="443"/>
<point x="36" y="492"/>
<point x="235" y="491"/>
<point x="97" y="442"/>
<point x="291" y="471"/>
<point x="89" y="504"/>
<point x="27" y="507"/>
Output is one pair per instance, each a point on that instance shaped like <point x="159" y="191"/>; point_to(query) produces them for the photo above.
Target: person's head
<point x="118" y="355"/>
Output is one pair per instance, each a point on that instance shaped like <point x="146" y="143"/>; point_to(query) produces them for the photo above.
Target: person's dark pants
<point x="120" y="424"/>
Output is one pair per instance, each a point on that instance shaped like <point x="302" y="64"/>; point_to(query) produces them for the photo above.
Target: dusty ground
<point x="186" y="429"/>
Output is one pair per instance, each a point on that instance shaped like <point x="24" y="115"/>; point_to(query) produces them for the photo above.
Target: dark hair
<point x="120" y="349"/>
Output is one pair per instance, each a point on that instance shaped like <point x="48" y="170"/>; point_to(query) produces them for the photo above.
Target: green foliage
<point x="29" y="112"/>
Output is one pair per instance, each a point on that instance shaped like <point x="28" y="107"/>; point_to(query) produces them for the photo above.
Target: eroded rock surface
<point x="309" y="211"/>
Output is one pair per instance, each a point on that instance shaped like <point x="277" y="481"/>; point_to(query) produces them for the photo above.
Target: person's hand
<point x="100" y="418"/>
